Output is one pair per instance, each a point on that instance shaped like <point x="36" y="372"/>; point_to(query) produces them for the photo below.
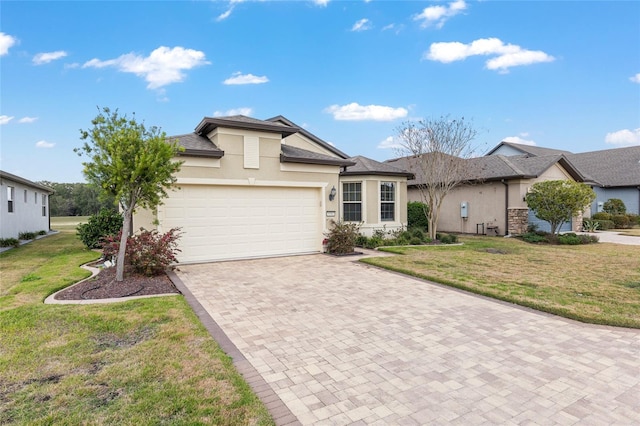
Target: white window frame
<point x="11" y="195"/>
<point x="44" y="205"/>
<point x="393" y="202"/>
<point x="343" y="201"/>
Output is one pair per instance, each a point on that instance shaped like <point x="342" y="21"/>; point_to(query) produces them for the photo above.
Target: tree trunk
<point x="126" y="228"/>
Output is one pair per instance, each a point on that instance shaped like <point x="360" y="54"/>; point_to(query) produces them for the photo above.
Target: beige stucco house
<point x="491" y="199"/>
<point x="24" y="206"/>
<point x="257" y="188"/>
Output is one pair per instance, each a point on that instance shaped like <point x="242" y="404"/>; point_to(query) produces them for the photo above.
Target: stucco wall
<point x="27" y="216"/>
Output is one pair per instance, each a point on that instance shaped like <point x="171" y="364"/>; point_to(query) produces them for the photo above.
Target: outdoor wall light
<point x="332" y="194"/>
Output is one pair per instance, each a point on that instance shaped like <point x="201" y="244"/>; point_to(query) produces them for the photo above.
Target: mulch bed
<point x="105" y="286"/>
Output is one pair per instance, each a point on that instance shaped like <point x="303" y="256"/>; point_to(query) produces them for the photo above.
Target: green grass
<point x="141" y="362"/>
<point x="597" y="283"/>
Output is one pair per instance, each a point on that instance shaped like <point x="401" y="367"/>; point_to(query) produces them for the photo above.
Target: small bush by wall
<point x="106" y="222"/>
<point x="416" y="217"/>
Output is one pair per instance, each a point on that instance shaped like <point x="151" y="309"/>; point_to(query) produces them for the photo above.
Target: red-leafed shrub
<point x="149" y="253"/>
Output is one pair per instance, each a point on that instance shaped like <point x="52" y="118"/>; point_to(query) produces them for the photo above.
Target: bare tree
<point x="436" y="152"/>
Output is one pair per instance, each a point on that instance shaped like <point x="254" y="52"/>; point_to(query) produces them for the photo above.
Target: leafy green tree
<point x="133" y="163"/>
<point x="557" y="201"/>
<point x="614" y="206"/>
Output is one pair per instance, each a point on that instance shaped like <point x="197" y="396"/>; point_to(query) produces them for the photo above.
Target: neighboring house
<point x="24" y="206"/>
<point x="491" y="198"/>
<point x="257" y="188"/>
<point x="612" y="173"/>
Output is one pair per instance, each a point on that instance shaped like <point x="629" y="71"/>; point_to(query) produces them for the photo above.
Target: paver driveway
<point x="342" y="343"/>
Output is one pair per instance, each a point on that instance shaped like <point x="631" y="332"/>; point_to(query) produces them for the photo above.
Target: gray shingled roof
<point x="243" y="122"/>
<point x="530" y="149"/>
<point x="283" y="120"/>
<point x="15" y="178"/>
<point x="367" y="166"/>
<point x="610" y="167"/>
<point x="497" y="167"/>
<point x="196" y="145"/>
<point x="292" y="154"/>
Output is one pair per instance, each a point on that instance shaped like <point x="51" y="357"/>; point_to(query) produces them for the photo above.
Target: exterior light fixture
<point x="332" y="194"/>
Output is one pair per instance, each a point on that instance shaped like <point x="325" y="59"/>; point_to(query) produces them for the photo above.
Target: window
<point x="352" y="201"/>
<point x="44" y="204"/>
<point x="25" y="195"/>
<point x="387" y="201"/>
<point x="35" y="198"/>
<point x="11" y="193"/>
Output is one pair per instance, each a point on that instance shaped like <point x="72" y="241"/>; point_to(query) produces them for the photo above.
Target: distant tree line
<point x="77" y="199"/>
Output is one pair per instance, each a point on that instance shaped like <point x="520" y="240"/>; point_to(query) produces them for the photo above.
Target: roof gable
<point x="196" y="145"/>
<point x="208" y="124"/>
<point x="285" y="121"/>
<point x="23" y="181"/>
<point x="367" y="166"/>
<point x="523" y="149"/>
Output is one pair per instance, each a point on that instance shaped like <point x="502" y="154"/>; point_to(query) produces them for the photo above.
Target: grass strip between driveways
<point x="142" y="362"/>
<point x="597" y="283"/>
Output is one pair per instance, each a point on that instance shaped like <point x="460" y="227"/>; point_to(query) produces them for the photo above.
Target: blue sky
<point x="556" y="74"/>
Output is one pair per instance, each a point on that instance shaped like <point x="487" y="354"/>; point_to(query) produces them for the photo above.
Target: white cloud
<point x="519" y="140"/>
<point x="438" y="15"/>
<point x="390" y="143"/>
<point x="27" y="119"/>
<point x="227" y="13"/>
<point x="635" y="78"/>
<point x="162" y="67"/>
<point x="322" y="3"/>
<point x="46" y="57"/>
<point x="6" y="41"/>
<point x="624" y="137"/>
<point x="239" y="78"/>
<point x="356" y="112"/>
<point x="44" y="144"/>
<point x="507" y="55"/>
<point x="234" y="111"/>
<point x="362" y="25"/>
<point x="5" y="119"/>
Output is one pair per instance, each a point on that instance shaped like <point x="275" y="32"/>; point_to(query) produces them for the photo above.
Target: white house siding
<point x="27" y="215"/>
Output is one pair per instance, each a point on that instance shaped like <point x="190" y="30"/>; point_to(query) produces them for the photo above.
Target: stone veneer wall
<point x="576" y="225"/>
<point x="518" y="219"/>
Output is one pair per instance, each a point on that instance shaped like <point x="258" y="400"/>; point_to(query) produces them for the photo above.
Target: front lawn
<point x="142" y="362"/>
<point x="596" y="283"/>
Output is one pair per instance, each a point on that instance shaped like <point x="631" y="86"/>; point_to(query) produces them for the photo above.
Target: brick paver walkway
<point x="343" y="343"/>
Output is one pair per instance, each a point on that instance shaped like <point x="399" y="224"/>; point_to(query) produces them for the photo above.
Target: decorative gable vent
<point x="251" y="152"/>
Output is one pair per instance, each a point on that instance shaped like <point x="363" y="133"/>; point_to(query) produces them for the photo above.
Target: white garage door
<point x="236" y="222"/>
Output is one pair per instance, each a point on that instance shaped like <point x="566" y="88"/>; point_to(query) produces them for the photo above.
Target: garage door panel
<point x="232" y="222"/>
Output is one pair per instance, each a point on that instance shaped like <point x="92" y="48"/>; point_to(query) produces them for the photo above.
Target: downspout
<point x="506" y="206"/>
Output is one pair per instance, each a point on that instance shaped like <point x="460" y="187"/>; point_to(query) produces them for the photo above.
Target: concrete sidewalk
<point x="328" y="341"/>
<point x="615" y="237"/>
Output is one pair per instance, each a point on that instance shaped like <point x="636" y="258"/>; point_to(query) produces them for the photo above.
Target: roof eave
<point x="208" y="124"/>
<point x="201" y="153"/>
<point x="381" y="173"/>
<point x="317" y="161"/>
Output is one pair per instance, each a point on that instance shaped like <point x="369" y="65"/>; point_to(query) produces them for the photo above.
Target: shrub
<point x="42" y="232"/>
<point x="9" y="242"/>
<point x="569" y="239"/>
<point x="534" y="237"/>
<point x="361" y="240"/>
<point x="606" y="224"/>
<point x="447" y="238"/>
<point x="149" y="252"/>
<point x="342" y="237"/>
<point x="419" y="234"/>
<point x="416" y="217"/>
<point x="374" y="242"/>
<point x="634" y="219"/>
<point x="620" y="221"/>
<point x="27" y="235"/>
<point x="601" y="216"/>
<point x="415" y="241"/>
<point x="106" y="222"/>
<point x="614" y="206"/>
